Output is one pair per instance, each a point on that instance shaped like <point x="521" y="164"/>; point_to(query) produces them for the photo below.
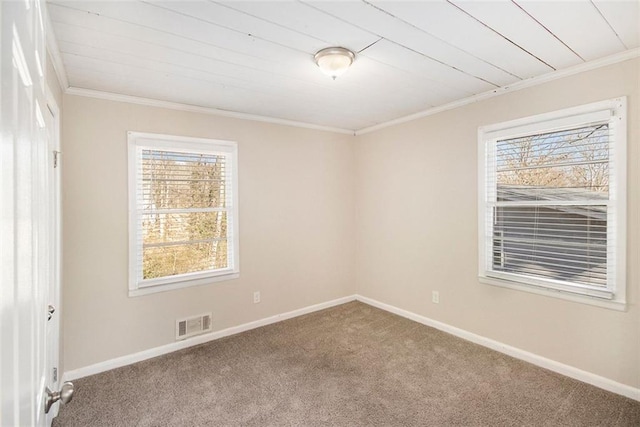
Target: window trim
<point x="616" y="111"/>
<point x="136" y="140"/>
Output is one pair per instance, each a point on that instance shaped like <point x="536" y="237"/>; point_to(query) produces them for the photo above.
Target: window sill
<point x="568" y="296"/>
<point x="180" y="284"/>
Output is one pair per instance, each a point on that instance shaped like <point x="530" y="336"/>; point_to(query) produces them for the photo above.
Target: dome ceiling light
<point x="334" y="61"/>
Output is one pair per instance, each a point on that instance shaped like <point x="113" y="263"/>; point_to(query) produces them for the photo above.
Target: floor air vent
<point x="191" y="326"/>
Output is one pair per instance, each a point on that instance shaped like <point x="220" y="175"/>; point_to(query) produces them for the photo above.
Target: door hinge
<point x="56" y="155"/>
<point x="55" y="374"/>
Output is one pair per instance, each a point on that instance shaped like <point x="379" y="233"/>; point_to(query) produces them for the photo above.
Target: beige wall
<point x="416" y="189"/>
<point x="296" y="227"/>
<point x="390" y="215"/>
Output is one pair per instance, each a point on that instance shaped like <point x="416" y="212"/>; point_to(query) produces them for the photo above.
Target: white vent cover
<point x="191" y="326"/>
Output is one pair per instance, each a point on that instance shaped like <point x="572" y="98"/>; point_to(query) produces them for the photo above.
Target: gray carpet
<point x="351" y="365"/>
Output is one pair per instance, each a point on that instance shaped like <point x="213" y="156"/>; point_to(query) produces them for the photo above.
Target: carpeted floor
<point x="351" y="365"/>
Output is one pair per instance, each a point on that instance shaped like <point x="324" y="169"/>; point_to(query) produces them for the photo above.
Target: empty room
<point x="301" y="213"/>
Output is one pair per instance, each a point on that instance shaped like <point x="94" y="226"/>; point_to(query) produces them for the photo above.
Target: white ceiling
<point x="257" y="57"/>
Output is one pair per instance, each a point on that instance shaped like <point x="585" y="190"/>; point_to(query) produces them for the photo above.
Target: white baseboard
<point x="200" y="339"/>
<point x="552" y="365"/>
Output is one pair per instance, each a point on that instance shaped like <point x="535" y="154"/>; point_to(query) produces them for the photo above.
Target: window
<point x="552" y="203"/>
<point x="183" y="212"/>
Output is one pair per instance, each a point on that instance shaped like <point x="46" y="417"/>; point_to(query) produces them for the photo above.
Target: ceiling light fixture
<point x="334" y="61"/>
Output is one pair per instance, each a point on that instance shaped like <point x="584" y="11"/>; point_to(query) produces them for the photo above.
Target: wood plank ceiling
<point x="257" y="57"/>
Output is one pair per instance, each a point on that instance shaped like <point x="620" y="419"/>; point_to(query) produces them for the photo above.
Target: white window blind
<point x="183" y="219"/>
<point x="551" y="201"/>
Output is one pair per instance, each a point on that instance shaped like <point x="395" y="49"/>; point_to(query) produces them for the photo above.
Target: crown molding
<point x="523" y="84"/>
<point x="534" y="81"/>
<point x="54" y="51"/>
<point x="110" y="96"/>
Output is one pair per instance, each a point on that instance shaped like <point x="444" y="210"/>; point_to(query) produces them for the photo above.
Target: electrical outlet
<point x="435" y="297"/>
<point x="256" y="297"/>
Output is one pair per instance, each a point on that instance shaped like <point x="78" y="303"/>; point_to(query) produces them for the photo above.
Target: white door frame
<point x="53" y="334"/>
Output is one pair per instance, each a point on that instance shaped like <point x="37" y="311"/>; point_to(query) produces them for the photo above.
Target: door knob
<point x="50" y="311"/>
<point x="64" y="396"/>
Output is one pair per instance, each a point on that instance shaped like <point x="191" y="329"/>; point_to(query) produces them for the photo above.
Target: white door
<point x="25" y="215"/>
